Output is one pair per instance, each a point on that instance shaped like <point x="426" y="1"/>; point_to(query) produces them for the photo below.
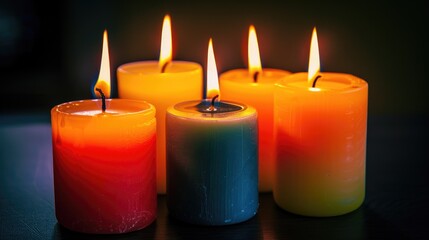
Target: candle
<point x="321" y="141"/>
<point x="255" y="86"/>
<point x="162" y="83"/>
<point x="104" y="161"/>
<point x="212" y="164"/>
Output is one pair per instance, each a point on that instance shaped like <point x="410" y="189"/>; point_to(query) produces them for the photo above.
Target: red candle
<point x="104" y="162"/>
<point x="104" y="165"/>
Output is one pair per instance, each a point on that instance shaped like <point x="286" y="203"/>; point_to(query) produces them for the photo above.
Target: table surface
<point x="396" y="203"/>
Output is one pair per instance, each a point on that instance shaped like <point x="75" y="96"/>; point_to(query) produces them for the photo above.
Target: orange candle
<point x="162" y="83"/>
<point x="321" y="122"/>
<point x="255" y="86"/>
<point x="104" y="161"/>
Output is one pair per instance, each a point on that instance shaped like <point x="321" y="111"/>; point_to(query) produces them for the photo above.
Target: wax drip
<point x="255" y="77"/>
<point x="315" y="80"/>
<point x="103" y="99"/>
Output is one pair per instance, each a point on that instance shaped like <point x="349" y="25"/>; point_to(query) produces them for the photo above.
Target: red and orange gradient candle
<point x="104" y="161"/>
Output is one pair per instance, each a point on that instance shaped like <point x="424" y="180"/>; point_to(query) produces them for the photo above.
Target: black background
<point x="50" y="53"/>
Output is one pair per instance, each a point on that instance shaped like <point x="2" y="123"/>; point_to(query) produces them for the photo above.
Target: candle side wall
<point x="321" y="150"/>
<point x="212" y="169"/>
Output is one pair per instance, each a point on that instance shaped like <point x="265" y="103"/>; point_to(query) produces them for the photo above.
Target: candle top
<point x="242" y="75"/>
<point x="114" y="108"/>
<point x="200" y="109"/>
<point x="152" y="67"/>
<point x="328" y="82"/>
<point x="206" y="106"/>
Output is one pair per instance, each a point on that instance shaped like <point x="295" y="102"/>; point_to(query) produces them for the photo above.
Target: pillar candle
<point x="212" y="163"/>
<point x="104" y="177"/>
<point x="104" y="161"/>
<point x="162" y="83"/>
<point x="255" y="86"/>
<point x="320" y="130"/>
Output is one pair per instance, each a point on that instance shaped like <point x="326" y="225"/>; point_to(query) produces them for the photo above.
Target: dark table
<point x="396" y="204"/>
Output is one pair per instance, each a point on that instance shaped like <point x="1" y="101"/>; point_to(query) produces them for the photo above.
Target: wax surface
<point x="104" y="165"/>
<point x="143" y="80"/>
<point x="321" y="144"/>
<point x="212" y="165"/>
<point x="237" y="85"/>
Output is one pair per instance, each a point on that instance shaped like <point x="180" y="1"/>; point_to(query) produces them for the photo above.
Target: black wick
<point x="315" y="80"/>
<point x="255" y="77"/>
<point x="212" y="107"/>
<point x="103" y="99"/>
<point x="164" y="66"/>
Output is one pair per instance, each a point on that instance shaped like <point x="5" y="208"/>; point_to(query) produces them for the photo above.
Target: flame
<point x="212" y="77"/>
<point x="103" y="81"/>
<point x="314" y="61"/>
<point x="165" y="55"/>
<point x="253" y="52"/>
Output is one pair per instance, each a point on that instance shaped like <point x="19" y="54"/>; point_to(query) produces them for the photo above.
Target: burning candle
<point x="163" y="83"/>
<point x="321" y="141"/>
<point x="212" y="158"/>
<point x="104" y="161"/>
<point x="255" y="86"/>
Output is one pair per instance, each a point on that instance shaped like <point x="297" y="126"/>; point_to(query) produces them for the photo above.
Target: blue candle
<point x="212" y="158"/>
<point x="212" y="163"/>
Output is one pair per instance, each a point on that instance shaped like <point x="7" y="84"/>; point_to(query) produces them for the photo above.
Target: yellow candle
<point x="162" y="83"/>
<point x="320" y="130"/>
<point x="255" y="86"/>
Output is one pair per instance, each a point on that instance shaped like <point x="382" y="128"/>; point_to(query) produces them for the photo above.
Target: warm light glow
<point x="166" y="53"/>
<point x="212" y="77"/>
<point x="314" y="61"/>
<point x="253" y="52"/>
<point x="103" y="81"/>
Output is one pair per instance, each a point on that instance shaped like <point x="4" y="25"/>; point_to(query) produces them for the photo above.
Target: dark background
<point x="50" y="53"/>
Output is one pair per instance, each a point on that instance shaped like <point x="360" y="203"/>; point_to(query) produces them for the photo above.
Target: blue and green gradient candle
<point x="212" y="158"/>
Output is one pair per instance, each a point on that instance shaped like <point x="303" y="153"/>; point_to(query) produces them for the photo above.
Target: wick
<point x="315" y="80"/>
<point x="103" y="99"/>
<point x="164" y="66"/>
<point x="212" y="107"/>
<point x="255" y="77"/>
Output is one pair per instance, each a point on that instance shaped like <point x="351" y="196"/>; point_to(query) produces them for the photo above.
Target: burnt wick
<point x="212" y="107"/>
<point x="315" y="80"/>
<point x="255" y="77"/>
<point x="103" y="99"/>
<point x="164" y="66"/>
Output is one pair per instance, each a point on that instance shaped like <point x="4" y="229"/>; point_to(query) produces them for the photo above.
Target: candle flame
<point x="103" y="81"/>
<point x="253" y="52"/>
<point x="166" y="53"/>
<point x="212" y="75"/>
<point x="314" y="61"/>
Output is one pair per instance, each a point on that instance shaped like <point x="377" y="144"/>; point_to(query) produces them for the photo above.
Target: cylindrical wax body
<point x="104" y="165"/>
<point x="239" y="86"/>
<point x="212" y="165"/>
<point x="143" y="80"/>
<point x="321" y="144"/>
